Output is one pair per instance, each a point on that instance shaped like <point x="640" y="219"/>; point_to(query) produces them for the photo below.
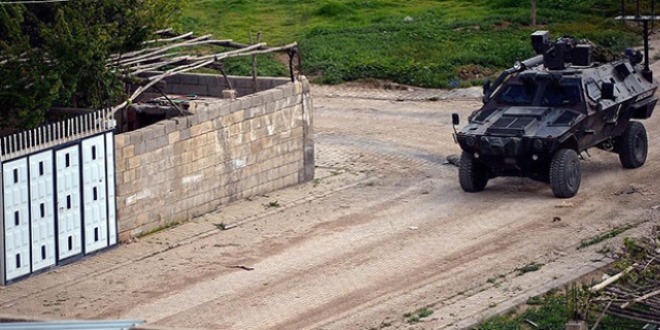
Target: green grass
<point x="419" y="42"/>
<point x="550" y="312"/>
<point x="532" y="267"/>
<point x="418" y="315"/>
<point x="272" y="204"/>
<point x="610" y="234"/>
<point x="159" y="229"/>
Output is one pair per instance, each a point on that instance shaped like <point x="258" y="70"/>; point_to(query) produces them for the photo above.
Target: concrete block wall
<point x="184" y="167"/>
<point x="213" y="85"/>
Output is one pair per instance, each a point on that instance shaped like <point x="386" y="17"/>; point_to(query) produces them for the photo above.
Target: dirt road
<point x="384" y="230"/>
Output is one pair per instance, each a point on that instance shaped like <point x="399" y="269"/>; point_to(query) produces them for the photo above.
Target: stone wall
<point x="213" y="85"/>
<point x="227" y="150"/>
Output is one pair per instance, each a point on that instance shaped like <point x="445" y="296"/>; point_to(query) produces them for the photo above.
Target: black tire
<point x="472" y="174"/>
<point x="565" y="173"/>
<point x="633" y="145"/>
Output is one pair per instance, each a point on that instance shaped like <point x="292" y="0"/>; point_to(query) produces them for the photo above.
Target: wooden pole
<point x="254" y="64"/>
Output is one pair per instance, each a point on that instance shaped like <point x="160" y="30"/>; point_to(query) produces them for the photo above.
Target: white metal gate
<point x="69" y="217"/>
<point x="58" y="195"/>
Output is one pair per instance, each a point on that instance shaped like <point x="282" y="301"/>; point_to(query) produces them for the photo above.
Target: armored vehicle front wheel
<point x="565" y="173"/>
<point x="472" y="174"/>
<point x="633" y="145"/>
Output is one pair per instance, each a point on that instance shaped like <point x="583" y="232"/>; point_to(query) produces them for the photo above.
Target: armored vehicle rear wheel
<point x="472" y="174"/>
<point x="633" y="145"/>
<point x="565" y="173"/>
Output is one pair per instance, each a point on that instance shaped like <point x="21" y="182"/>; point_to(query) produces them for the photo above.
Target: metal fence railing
<point x="53" y="134"/>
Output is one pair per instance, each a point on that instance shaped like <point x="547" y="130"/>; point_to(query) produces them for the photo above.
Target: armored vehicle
<point x="541" y="115"/>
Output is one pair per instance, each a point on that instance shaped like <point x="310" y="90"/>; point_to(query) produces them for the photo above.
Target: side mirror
<point x="607" y="91"/>
<point x="486" y="86"/>
<point x="455" y="119"/>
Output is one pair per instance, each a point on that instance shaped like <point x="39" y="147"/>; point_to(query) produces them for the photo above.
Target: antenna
<point x="644" y="21"/>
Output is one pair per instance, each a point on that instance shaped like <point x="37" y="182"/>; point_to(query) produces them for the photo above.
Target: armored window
<point x="593" y="90"/>
<point x="560" y="95"/>
<point x="517" y="94"/>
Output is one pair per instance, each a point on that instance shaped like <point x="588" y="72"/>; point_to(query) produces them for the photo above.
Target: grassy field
<point x="418" y="42"/>
<point x="550" y="312"/>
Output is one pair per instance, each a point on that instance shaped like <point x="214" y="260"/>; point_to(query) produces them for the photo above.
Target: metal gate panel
<point x="112" y="214"/>
<point x="42" y="211"/>
<point x="69" y="217"/>
<point x="17" y="224"/>
<point x="95" y="207"/>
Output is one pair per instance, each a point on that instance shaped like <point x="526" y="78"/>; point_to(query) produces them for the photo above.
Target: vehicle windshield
<point x="517" y="94"/>
<point x="544" y="93"/>
<point x="560" y="95"/>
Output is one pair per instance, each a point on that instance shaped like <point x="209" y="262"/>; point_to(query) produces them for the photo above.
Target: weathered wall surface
<point x="213" y="85"/>
<point x="187" y="166"/>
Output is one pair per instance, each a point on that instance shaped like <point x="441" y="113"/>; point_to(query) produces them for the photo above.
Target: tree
<point x="533" y="12"/>
<point x="54" y="54"/>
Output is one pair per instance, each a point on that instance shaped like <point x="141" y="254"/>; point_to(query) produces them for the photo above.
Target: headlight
<point x="517" y="66"/>
<point x="538" y="144"/>
<point x="470" y="141"/>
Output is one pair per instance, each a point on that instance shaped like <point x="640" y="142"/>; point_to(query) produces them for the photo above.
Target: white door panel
<point x="43" y="214"/>
<point x="69" y="216"/>
<point x="95" y="213"/>
<point x="16" y="215"/>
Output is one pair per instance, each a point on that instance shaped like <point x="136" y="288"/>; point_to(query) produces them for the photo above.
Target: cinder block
<point x="229" y="94"/>
<point x="202" y="90"/>
<point x="306" y="85"/>
<point x="278" y="94"/>
<point x="133" y="138"/>
<point x="209" y="79"/>
<point x="157" y="143"/>
<point x="177" y="88"/>
<point x="235" y="105"/>
<point x="287" y="90"/>
<point x="184" y="134"/>
<point x="247" y="101"/>
<point x="241" y="92"/>
<point x="219" y="110"/>
<point x="140" y="148"/>
<point x="129" y="175"/>
<point x="173" y="137"/>
<point x="201" y="128"/>
<point x="293" y="101"/>
<point x="237" y="117"/>
<point x="202" y="116"/>
<point x="268" y="96"/>
<point x="170" y="126"/>
<point x="120" y="141"/>
<point x="271" y="107"/>
<point x="173" y="80"/>
<point x="242" y="83"/>
<point x="189" y="79"/>
<point x="127" y="152"/>
<point x="193" y="120"/>
<point x="257" y="100"/>
<point x="182" y="122"/>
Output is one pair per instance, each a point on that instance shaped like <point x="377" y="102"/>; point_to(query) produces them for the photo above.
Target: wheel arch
<point x="569" y="141"/>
